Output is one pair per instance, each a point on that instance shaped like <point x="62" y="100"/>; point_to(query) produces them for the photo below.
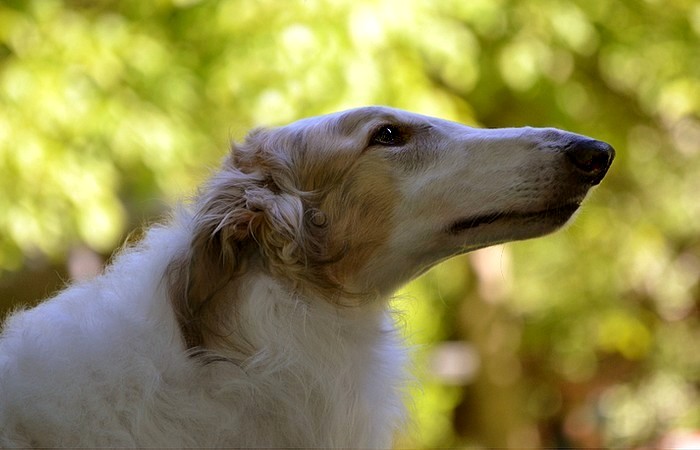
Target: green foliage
<point x="109" y="109"/>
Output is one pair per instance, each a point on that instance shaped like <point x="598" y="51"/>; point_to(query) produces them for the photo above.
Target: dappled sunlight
<point x="111" y="110"/>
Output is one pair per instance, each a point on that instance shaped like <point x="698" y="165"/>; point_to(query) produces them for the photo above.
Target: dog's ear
<point x="248" y="210"/>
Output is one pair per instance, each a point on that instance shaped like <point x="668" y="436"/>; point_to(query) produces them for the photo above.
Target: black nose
<point x="591" y="158"/>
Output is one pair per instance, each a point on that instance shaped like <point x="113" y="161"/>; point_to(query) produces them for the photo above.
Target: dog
<point x="258" y="315"/>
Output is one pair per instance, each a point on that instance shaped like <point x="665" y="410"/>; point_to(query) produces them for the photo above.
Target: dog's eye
<point x="388" y="135"/>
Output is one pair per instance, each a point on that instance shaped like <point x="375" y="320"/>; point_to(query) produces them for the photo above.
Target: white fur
<point x="292" y="363"/>
<point x="102" y="364"/>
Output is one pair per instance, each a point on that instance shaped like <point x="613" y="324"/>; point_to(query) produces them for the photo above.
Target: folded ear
<point x="240" y="215"/>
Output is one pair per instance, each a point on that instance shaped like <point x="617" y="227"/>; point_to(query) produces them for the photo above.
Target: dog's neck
<point x="270" y="321"/>
<point x="345" y="364"/>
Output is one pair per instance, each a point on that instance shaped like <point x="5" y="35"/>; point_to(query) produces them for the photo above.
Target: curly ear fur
<point x="248" y="213"/>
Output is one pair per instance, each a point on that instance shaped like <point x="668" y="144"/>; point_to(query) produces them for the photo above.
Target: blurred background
<point x="113" y="110"/>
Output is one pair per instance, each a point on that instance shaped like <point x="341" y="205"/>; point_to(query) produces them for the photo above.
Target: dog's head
<point x="353" y="204"/>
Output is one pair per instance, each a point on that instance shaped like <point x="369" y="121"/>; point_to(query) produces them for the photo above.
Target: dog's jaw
<point x="547" y="219"/>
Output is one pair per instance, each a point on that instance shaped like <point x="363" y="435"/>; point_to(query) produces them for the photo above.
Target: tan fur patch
<point x="360" y="215"/>
<point x="310" y="209"/>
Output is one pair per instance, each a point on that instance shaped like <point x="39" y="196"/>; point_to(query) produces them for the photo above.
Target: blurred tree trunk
<point x="492" y="409"/>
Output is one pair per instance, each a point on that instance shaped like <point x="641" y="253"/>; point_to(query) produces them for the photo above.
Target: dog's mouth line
<point x="561" y="212"/>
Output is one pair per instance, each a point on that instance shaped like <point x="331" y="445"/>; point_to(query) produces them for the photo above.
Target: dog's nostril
<point x="590" y="157"/>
